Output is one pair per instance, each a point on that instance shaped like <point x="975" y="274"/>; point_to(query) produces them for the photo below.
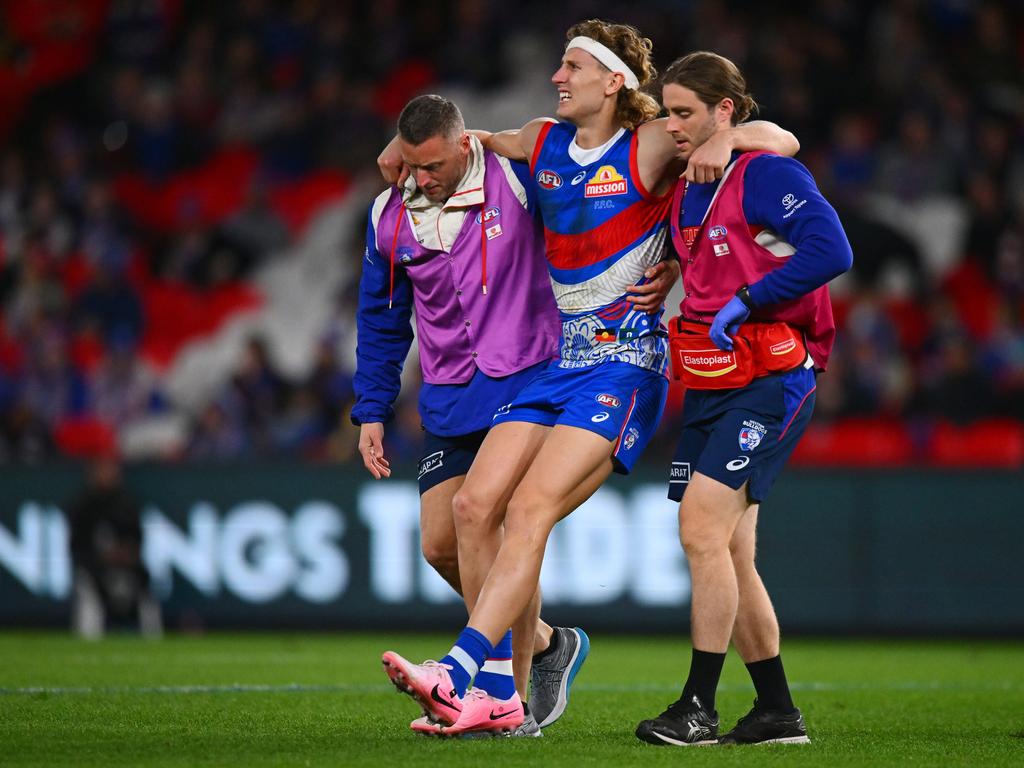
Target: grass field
<point x="257" y="699"/>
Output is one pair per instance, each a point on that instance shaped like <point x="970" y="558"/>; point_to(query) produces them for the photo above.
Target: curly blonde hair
<point x="633" y="107"/>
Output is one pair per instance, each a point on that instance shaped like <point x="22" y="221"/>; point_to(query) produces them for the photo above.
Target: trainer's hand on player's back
<point x="371" y="446"/>
<point x="649" y="296"/>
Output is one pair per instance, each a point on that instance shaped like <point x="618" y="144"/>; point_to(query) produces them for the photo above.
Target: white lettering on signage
<point x="37" y="554"/>
<point x="614" y="547"/>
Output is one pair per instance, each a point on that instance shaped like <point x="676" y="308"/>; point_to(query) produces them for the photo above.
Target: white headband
<point x="606" y="56"/>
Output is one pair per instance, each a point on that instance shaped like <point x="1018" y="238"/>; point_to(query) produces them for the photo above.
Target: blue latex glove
<point x="727" y="322"/>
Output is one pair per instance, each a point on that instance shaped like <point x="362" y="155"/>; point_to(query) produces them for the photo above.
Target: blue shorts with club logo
<point x="740" y="435"/>
<point x="619" y="401"/>
<point x="447" y="457"/>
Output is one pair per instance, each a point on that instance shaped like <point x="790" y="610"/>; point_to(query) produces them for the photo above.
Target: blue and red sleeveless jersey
<point x="602" y="230"/>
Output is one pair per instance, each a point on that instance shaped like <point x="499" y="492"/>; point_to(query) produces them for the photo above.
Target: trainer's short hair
<point x="427" y="116"/>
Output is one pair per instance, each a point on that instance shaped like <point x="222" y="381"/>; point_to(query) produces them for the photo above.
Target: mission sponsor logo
<point x="548" y="179"/>
<point x="607" y="181"/>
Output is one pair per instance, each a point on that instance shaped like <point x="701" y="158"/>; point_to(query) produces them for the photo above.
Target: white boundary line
<point x="910" y="686"/>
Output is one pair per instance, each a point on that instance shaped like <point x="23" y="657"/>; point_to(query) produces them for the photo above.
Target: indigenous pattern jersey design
<point x="602" y="230"/>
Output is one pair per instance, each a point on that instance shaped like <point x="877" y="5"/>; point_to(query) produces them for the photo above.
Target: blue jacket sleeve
<point x="522" y="172"/>
<point x="384" y="334"/>
<point x="780" y="194"/>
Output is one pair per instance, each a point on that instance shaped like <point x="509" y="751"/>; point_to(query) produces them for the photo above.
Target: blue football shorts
<point x="447" y="457"/>
<point x="619" y="401"/>
<point x="741" y="435"/>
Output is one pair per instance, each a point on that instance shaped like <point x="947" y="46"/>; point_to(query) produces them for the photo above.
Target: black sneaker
<point x="684" y="724"/>
<point x="768" y="726"/>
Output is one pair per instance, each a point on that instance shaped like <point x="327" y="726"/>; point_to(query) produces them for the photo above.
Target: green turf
<point x="227" y="700"/>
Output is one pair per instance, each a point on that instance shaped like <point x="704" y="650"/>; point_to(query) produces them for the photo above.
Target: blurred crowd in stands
<point x="156" y="154"/>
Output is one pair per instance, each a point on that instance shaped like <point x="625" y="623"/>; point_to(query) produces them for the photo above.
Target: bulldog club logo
<point x="549" y="179"/>
<point x="607" y="181"/>
<point x="751" y="434"/>
<point x="404" y="254"/>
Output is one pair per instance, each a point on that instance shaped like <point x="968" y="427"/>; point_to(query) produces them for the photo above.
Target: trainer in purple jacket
<point x="460" y="243"/>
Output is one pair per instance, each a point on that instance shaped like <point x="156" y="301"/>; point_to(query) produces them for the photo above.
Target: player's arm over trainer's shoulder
<point x="515" y="144"/>
<point x="657" y="152"/>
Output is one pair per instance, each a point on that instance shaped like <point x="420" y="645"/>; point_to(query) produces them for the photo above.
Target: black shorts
<point x="447" y="457"/>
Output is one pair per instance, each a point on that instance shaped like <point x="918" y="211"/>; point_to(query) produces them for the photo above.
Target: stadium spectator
<point x="129" y="91"/>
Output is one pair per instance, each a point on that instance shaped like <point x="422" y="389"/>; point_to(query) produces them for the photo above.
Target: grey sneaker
<point x="528" y="730"/>
<point x="551" y="679"/>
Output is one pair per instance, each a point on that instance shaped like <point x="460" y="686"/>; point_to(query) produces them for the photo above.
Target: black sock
<point x="705" y="670"/>
<point x="770" y="683"/>
<point x="552" y="647"/>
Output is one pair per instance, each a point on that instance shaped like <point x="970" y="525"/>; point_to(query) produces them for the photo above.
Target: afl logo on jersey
<point x="489" y="215"/>
<point x="549" y="179"/>
<point x="607" y="181"/>
<point x="717" y="233"/>
<point x="609" y="401"/>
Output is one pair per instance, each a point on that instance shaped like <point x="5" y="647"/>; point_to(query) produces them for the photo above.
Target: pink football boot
<point x="428" y="683"/>
<point x="427" y="727"/>
<point x="484" y="714"/>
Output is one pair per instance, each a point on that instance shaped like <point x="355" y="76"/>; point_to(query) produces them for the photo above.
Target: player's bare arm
<point x="517" y="144"/>
<point x="657" y="153"/>
<point x="389" y="161"/>
<point x="709" y="160"/>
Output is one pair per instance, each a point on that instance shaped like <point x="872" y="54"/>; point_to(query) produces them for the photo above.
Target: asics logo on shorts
<point x="738" y="464"/>
<point x="597" y="418"/>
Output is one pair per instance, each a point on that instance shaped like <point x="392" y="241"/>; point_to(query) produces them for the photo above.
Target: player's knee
<point x="700" y="539"/>
<point x="442" y="553"/>
<point x="471" y="511"/>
